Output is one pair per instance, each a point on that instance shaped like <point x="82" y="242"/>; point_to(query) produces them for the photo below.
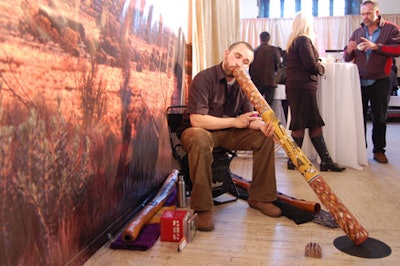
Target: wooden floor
<point x="244" y="236"/>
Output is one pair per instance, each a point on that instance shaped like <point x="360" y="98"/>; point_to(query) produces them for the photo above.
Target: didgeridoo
<point x="132" y="230"/>
<point x="304" y="205"/>
<point x="346" y="220"/>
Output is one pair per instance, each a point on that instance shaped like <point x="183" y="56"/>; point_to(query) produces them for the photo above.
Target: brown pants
<point x="199" y="144"/>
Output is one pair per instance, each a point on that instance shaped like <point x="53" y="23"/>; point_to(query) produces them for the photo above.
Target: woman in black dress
<point x="303" y="68"/>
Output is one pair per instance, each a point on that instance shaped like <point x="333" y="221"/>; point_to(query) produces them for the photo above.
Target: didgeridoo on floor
<point x="132" y="230"/>
<point x="304" y="205"/>
<point x="346" y="220"/>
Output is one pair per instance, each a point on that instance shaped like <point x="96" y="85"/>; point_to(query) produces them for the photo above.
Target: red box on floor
<point x="173" y="225"/>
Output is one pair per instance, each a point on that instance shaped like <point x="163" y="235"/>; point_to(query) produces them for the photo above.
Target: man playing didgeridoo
<point x="219" y="114"/>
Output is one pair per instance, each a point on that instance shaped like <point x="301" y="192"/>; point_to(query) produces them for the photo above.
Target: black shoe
<point x="290" y="165"/>
<point x="330" y="165"/>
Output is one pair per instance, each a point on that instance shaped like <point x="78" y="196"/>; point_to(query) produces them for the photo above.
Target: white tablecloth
<point x="279" y="95"/>
<point x="339" y="102"/>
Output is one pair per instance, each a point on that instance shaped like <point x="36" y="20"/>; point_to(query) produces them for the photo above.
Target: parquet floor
<point x="244" y="236"/>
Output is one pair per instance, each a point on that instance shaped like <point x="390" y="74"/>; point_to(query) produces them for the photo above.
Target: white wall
<point x="388" y="6"/>
<point x="249" y="8"/>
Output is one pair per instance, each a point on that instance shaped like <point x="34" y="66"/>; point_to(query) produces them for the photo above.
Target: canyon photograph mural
<point x="84" y="86"/>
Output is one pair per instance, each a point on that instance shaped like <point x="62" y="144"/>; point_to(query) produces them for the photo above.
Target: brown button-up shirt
<point x="209" y="94"/>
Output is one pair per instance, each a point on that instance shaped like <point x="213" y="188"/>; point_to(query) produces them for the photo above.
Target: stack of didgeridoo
<point x="132" y="230"/>
<point x="346" y="220"/>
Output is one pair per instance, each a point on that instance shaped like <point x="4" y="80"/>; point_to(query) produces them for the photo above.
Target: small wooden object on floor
<point x="313" y="250"/>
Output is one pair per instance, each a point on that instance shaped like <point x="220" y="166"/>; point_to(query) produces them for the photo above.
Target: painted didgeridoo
<point x="346" y="220"/>
<point x="131" y="232"/>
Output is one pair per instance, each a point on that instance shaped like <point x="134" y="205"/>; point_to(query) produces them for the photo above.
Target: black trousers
<point x="377" y="96"/>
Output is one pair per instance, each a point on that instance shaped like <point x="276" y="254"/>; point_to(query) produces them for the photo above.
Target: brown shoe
<point x="204" y="221"/>
<point x="266" y="208"/>
<point x="380" y="157"/>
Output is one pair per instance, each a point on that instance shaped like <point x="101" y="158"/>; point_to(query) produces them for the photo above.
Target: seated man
<point x="219" y="114"/>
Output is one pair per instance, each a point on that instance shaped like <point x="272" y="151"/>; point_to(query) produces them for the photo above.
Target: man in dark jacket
<point x="372" y="47"/>
<point x="264" y="67"/>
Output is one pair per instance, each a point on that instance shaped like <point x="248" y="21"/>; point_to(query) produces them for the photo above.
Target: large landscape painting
<point x="84" y="85"/>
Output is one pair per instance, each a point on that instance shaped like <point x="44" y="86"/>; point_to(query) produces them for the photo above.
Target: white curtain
<point x="278" y="28"/>
<point x="215" y="25"/>
<point x="333" y="33"/>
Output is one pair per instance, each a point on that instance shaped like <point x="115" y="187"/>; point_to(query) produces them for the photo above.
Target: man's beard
<point x="228" y="70"/>
<point x="369" y="22"/>
<point x="229" y="75"/>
